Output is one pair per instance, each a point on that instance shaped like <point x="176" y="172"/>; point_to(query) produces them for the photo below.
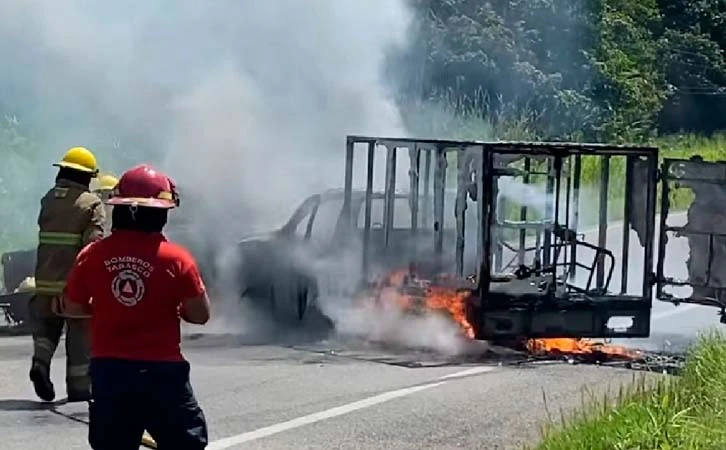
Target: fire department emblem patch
<point x="128" y="288"/>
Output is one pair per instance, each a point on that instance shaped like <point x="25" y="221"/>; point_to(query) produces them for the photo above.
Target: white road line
<point x="317" y="417"/>
<point x="468" y="372"/>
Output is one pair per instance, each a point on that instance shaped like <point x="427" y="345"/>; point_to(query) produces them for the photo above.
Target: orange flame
<point x="579" y="346"/>
<point x="391" y="291"/>
<point x="430" y="297"/>
<point x="453" y="301"/>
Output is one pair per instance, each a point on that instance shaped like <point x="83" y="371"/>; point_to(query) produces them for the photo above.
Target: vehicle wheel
<point x="303" y="300"/>
<point x="288" y="302"/>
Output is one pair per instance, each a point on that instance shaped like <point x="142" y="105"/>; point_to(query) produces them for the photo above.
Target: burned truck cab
<point x="529" y="234"/>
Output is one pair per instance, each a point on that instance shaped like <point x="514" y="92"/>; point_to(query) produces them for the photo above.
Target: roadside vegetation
<point x="654" y="412"/>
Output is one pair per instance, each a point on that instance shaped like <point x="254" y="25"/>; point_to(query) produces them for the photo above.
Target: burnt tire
<point x="289" y="301"/>
<point x="303" y="301"/>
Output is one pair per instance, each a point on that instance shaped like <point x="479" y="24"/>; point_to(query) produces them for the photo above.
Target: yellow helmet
<point x="104" y="182"/>
<point x="107" y="182"/>
<point x="79" y="158"/>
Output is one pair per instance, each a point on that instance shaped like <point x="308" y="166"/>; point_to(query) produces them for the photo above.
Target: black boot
<point x="40" y="376"/>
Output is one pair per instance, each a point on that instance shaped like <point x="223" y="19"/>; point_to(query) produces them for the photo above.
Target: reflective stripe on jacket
<point x="70" y="217"/>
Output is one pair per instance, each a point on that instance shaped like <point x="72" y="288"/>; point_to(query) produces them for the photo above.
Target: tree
<point x="692" y="46"/>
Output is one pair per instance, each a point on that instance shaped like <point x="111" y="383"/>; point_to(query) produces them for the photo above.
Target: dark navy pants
<point x="132" y="396"/>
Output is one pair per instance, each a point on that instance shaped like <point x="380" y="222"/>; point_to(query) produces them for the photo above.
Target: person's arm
<point x="195" y="306"/>
<point x="196" y="310"/>
<point x="76" y="299"/>
<point x="97" y="224"/>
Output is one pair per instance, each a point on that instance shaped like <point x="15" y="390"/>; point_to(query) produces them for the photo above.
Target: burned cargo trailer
<point x="517" y="243"/>
<point x="524" y="227"/>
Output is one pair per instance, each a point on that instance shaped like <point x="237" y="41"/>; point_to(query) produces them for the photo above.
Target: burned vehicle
<point x="275" y="268"/>
<point x="17" y="267"/>
<point x="489" y="232"/>
<point x="547" y="261"/>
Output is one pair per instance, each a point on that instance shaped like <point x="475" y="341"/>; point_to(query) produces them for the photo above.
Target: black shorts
<point x="132" y="396"/>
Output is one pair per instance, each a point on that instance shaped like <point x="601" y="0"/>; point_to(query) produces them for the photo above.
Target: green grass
<point x="668" y="413"/>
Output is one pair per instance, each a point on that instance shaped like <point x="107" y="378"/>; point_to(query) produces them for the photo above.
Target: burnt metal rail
<point x="649" y="361"/>
<point x="538" y="298"/>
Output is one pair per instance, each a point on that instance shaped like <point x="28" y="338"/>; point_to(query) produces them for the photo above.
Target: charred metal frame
<point x="433" y="187"/>
<point x="684" y="173"/>
<point x="558" y="309"/>
<point x="561" y="309"/>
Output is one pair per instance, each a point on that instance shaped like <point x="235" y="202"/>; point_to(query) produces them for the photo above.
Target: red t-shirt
<point x="135" y="283"/>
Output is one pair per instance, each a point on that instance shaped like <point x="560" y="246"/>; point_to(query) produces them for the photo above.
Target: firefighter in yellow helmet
<point x="71" y="216"/>
<point x="103" y="186"/>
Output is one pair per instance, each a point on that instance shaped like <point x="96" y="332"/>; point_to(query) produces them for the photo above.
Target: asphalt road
<point x="348" y="395"/>
<point x="272" y="397"/>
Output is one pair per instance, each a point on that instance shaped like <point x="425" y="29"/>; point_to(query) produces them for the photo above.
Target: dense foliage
<point x="576" y="69"/>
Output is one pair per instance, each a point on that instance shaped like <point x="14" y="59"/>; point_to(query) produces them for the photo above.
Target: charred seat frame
<point x="534" y="300"/>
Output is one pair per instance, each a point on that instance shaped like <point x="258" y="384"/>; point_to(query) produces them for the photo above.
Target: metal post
<point x="426" y="210"/>
<point x="662" y="236"/>
<point x="603" y="218"/>
<point x="650" y="227"/>
<point x="577" y="175"/>
<point x="368" y="206"/>
<point x="439" y="186"/>
<point x="546" y="250"/>
<point x="627" y="210"/>
<point x="568" y="192"/>
<point x="487" y="218"/>
<point x="414" y="156"/>
<point x="348" y="187"/>
<point x="390" y="194"/>
<point x="460" y="206"/>
<point x="557" y="163"/>
<point x="476" y="164"/>
<point x="498" y="204"/>
<point x="523" y="213"/>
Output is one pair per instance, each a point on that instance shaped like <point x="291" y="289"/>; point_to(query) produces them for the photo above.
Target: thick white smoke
<point x="246" y="104"/>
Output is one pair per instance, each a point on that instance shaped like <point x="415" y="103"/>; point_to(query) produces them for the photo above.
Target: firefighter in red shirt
<point x="137" y="286"/>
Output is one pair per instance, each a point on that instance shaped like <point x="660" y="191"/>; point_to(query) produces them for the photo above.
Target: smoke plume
<point x="246" y="104"/>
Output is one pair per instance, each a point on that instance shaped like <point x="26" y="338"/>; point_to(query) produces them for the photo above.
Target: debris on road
<point x="416" y="295"/>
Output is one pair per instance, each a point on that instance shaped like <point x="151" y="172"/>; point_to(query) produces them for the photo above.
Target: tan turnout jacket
<point x="70" y="218"/>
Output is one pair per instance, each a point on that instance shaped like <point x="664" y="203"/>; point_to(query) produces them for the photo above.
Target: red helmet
<point x="145" y="186"/>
